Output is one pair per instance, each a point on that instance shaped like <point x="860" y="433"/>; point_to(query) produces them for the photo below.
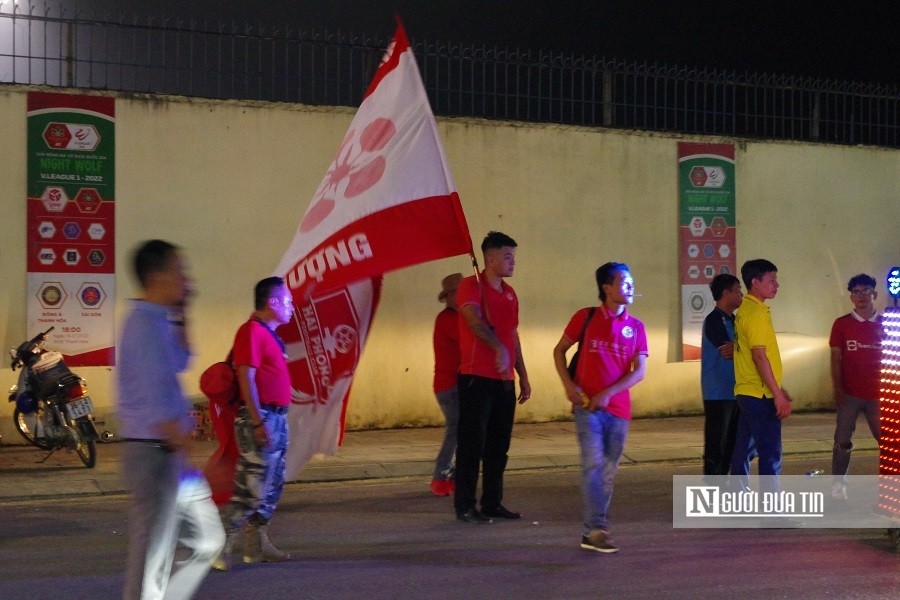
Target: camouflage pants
<point x="259" y="478"/>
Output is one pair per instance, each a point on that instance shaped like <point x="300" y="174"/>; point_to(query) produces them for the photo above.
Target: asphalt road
<point x="391" y="539"/>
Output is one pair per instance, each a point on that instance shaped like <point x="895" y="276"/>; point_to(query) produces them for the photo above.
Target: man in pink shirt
<point x="261" y="425"/>
<point x="490" y="351"/>
<point x="612" y="356"/>
<point x="855" y="373"/>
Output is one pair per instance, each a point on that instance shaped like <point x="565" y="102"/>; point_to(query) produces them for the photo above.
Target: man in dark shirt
<point x="717" y="376"/>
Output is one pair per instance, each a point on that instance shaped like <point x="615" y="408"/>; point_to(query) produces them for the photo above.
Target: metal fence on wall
<point x="254" y="63"/>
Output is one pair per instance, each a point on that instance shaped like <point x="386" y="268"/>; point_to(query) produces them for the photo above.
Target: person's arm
<point x="471" y="313"/>
<point x="524" y="385"/>
<point x="250" y="398"/>
<point x="179" y="322"/>
<point x="837" y="381"/>
<point x="764" y="368"/>
<point x="573" y="392"/>
<point x="633" y="377"/>
<point x="162" y="355"/>
<point x="715" y="332"/>
<point x="727" y="350"/>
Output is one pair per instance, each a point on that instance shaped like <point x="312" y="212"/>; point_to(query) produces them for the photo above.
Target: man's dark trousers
<point x="486" y="411"/>
<point x="720" y="431"/>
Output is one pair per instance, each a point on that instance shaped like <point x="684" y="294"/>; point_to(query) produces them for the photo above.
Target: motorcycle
<point x="53" y="409"/>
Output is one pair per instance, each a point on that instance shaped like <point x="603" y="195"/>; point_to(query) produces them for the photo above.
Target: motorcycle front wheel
<point x="26" y="425"/>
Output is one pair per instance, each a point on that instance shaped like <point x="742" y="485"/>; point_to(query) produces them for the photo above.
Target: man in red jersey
<point x="490" y="351"/>
<point x="855" y="373"/>
<point x="446" y="370"/>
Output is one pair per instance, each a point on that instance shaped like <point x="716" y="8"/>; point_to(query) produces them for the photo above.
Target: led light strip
<point x="889" y="414"/>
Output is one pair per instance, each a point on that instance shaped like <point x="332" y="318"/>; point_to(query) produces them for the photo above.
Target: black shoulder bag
<point x="573" y="364"/>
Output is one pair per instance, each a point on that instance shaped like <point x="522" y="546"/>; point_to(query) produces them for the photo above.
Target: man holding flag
<point x="387" y="201"/>
<point x="490" y="350"/>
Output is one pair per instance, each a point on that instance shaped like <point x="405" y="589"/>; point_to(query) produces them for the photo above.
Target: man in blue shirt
<point x="170" y="500"/>
<point x="717" y="376"/>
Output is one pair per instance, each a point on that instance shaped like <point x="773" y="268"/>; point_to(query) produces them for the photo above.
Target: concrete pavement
<point x="384" y="454"/>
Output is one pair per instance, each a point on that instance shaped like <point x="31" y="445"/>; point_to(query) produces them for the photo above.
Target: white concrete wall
<point x="230" y="181"/>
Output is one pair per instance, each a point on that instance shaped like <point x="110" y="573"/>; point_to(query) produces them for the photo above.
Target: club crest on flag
<point x="327" y="348"/>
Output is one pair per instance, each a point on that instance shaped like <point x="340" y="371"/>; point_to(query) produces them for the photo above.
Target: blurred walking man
<point x="171" y="502"/>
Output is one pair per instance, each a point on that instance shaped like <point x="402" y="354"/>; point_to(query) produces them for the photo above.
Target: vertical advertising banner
<point x="706" y="232"/>
<point x="71" y="225"/>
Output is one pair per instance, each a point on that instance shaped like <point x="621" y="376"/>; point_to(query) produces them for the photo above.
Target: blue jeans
<point x="847" y="413"/>
<point x="758" y="424"/>
<point x="449" y="403"/>
<point x="602" y="440"/>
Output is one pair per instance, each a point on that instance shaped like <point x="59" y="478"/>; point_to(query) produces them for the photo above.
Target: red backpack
<point x="219" y="383"/>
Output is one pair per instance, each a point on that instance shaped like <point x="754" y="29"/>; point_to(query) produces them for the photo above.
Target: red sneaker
<point x="451" y="486"/>
<point x="439" y="487"/>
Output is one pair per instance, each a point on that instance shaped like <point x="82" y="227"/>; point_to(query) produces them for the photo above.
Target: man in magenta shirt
<point x="490" y="352"/>
<point x="261" y="425"/>
<point x="855" y="373"/>
<point x="611" y="361"/>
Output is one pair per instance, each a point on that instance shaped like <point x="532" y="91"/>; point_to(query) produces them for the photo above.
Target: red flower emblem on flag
<point x="357" y="167"/>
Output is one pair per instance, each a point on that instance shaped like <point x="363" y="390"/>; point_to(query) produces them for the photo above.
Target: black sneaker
<point x="473" y="516"/>
<point x="500" y="512"/>
<point x="598" y="541"/>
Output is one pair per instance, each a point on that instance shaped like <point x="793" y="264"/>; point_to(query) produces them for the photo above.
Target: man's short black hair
<point x="722" y="282"/>
<point x="151" y="257"/>
<point x="495" y="240"/>
<point x="756" y="269"/>
<point x="861" y="279"/>
<point x="606" y="274"/>
<point x="263" y="291"/>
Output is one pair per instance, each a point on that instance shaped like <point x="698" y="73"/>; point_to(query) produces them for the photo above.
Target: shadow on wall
<point x="806" y="360"/>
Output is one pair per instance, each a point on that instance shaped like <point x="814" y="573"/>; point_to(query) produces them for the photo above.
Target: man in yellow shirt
<point x="757" y="368"/>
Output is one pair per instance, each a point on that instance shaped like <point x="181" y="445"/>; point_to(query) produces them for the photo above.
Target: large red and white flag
<point x="387" y="201"/>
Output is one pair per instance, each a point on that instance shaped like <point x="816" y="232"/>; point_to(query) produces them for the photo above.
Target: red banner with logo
<point x="387" y="201"/>
<point x="71" y="225"/>
<point x="707" y="231"/>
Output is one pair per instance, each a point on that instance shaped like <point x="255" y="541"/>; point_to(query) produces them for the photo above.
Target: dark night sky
<point x="847" y="39"/>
